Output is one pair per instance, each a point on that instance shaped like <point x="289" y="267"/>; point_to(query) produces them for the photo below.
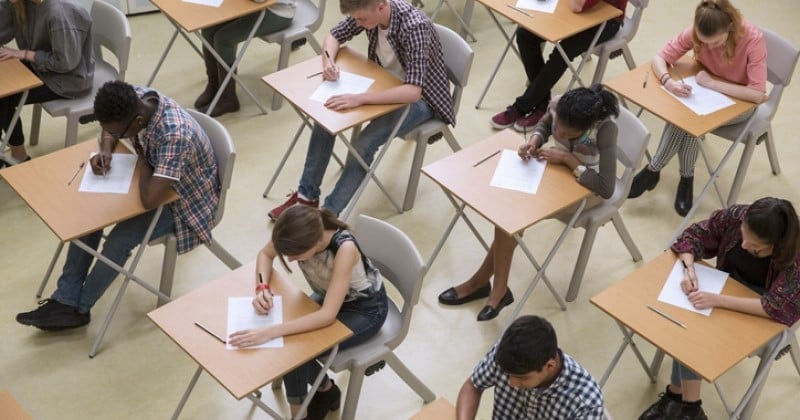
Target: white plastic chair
<point x="225" y="153"/>
<point x="619" y="41"/>
<point x="307" y="19"/>
<point x="401" y="264"/>
<point x="110" y="29"/>
<point x="781" y="61"/>
<point x="632" y="141"/>
<point x="458" y="58"/>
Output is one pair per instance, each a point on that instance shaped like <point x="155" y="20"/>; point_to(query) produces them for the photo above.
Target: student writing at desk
<point x="177" y="156"/>
<point x="54" y="41"/>
<point x="582" y="124"/>
<point x="403" y="40"/>
<point x="532" y="377"/>
<point x="344" y="281"/>
<point x="731" y="49"/>
<point x="529" y="107"/>
<point x="759" y="245"/>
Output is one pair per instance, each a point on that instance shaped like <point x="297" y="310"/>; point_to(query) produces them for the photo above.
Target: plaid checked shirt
<point x="177" y="148"/>
<point x="416" y="44"/>
<point x="573" y="395"/>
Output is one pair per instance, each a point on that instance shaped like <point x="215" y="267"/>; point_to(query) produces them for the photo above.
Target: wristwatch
<point x="578" y="171"/>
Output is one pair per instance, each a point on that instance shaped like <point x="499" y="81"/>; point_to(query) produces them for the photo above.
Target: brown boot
<point x="228" y="102"/>
<point x="202" y="102"/>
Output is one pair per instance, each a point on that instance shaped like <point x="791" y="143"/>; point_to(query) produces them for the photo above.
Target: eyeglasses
<point x="128" y="127"/>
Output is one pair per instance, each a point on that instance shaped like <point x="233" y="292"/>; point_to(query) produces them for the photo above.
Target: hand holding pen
<point x="529" y="149"/>
<point x="689" y="283"/>
<point x="263" y="301"/>
<point x="677" y="87"/>
<point x="329" y="69"/>
<point x="101" y="162"/>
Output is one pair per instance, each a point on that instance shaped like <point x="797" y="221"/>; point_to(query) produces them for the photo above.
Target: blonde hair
<point x="714" y="16"/>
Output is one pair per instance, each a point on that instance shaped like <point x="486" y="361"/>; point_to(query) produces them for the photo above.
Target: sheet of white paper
<point x="513" y="173"/>
<point x="242" y="316"/>
<point x="702" y="100"/>
<point x="212" y="3"/>
<point x="115" y="181"/>
<point x="544" y="6"/>
<point x="709" y="279"/>
<point x="347" y="83"/>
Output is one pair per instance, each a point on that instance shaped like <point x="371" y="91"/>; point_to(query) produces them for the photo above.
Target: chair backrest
<point x="631" y="23"/>
<point x="458" y="58"/>
<point x="632" y="138"/>
<point x="397" y="257"/>
<point x="110" y="29"/>
<point x="781" y="61"/>
<point x="224" y="152"/>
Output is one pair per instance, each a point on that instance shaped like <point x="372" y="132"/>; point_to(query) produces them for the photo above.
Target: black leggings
<point x="9" y="104"/>
<point x="544" y="75"/>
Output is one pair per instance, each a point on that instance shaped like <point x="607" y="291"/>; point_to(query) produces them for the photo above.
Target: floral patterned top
<point x="720" y="233"/>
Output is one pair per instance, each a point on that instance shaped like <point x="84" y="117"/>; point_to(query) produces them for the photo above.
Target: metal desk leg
<point x="50" y="269"/>
<point x="282" y="163"/>
<point x="626" y="341"/>
<point x="464" y="29"/>
<point x="459" y="214"/>
<point x="186" y="393"/>
<point x="509" y="44"/>
<point x="540" y="271"/>
<point x="576" y="74"/>
<point x="14" y="119"/>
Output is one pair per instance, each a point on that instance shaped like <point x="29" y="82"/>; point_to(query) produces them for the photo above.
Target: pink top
<point x="748" y="65"/>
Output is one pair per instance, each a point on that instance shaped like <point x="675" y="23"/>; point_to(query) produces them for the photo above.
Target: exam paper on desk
<point x="514" y="173"/>
<point x="709" y="280"/>
<point x="544" y="6"/>
<point x="242" y="316"/>
<point x="702" y="100"/>
<point x="115" y="181"/>
<point x="347" y="83"/>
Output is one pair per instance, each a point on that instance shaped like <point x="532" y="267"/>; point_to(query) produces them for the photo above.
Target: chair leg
<point x="741" y="172"/>
<point x="600" y="70"/>
<point x="36" y="121"/>
<point x="409" y="378"/>
<point x="451" y="139"/>
<point x="772" y="153"/>
<point x="795" y="352"/>
<point x="49" y="269"/>
<point x="623" y="233"/>
<point x="583" y="258"/>
<point x="353" y="393"/>
<point x="223" y="255"/>
<point x="72" y="130"/>
<point x="168" y="268"/>
<point x="413" y="176"/>
<point x="629" y="61"/>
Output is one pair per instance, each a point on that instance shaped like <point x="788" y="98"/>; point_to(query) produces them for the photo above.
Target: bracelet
<point x="264" y="286"/>
<point x="661" y="79"/>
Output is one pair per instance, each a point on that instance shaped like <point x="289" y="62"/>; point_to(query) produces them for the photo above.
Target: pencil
<point x="673" y="320"/>
<point x="76" y="173"/>
<point x="202" y="327"/>
<point x="677" y="73"/>
<point x="486" y="158"/>
<point x="519" y="10"/>
<point x="313" y="75"/>
<point x="646" y="76"/>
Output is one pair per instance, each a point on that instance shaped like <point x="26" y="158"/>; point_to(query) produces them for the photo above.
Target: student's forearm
<point x="331" y="46"/>
<point x="264" y="263"/>
<point x="468" y="400"/>
<point x="747" y="305"/>
<point x="659" y="67"/>
<point x="403" y="94"/>
<point x="738" y="91"/>
<point x="311" y="322"/>
<point x="577" y="5"/>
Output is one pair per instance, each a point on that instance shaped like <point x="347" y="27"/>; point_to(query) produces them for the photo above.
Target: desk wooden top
<point x="441" y="409"/>
<point x="512" y="211"/>
<point x="657" y="101"/>
<point x="10" y="408"/>
<point x="70" y="214"/>
<point x="710" y="345"/>
<point x="292" y="83"/>
<point x="16" y="78"/>
<point x="562" y="23"/>
<point x="242" y="372"/>
<point x="192" y="17"/>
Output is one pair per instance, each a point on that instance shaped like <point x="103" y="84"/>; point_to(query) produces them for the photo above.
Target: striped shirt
<point x="573" y="395"/>
<point x="177" y="148"/>
<point x="416" y="44"/>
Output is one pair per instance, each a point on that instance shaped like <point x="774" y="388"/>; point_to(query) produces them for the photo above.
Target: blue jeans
<point x="374" y="135"/>
<point x="76" y="288"/>
<point x="681" y="372"/>
<point x="363" y="316"/>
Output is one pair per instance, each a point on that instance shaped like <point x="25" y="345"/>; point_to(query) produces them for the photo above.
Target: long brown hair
<point x="19" y="9"/>
<point x="714" y="16"/>
<point x="299" y="228"/>
<point x="774" y="221"/>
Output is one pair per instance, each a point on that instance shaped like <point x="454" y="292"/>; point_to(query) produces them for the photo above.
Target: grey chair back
<point x="224" y="151"/>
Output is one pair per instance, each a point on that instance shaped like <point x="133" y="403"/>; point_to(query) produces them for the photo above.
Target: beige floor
<point x="139" y="373"/>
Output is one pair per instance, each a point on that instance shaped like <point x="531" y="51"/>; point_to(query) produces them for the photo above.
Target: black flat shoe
<point x="488" y="312"/>
<point x="683" y="198"/>
<point x="323" y="402"/>
<point x="450" y="297"/>
<point x="645" y="180"/>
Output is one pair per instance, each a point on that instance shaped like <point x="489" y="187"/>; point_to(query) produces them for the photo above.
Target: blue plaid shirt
<point x="416" y="44"/>
<point x="573" y="395"/>
<point x="177" y="148"/>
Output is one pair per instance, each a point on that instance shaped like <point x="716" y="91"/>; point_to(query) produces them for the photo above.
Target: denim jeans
<point x="363" y="316"/>
<point x="76" y="288"/>
<point x="681" y="372"/>
<point x="374" y="135"/>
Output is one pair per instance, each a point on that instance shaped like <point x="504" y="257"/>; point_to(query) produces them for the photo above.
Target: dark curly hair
<point x="581" y="107"/>
<point x="116" y="101"/>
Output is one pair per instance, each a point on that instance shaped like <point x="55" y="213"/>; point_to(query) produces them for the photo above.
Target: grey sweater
<point x="58" y="31"/>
